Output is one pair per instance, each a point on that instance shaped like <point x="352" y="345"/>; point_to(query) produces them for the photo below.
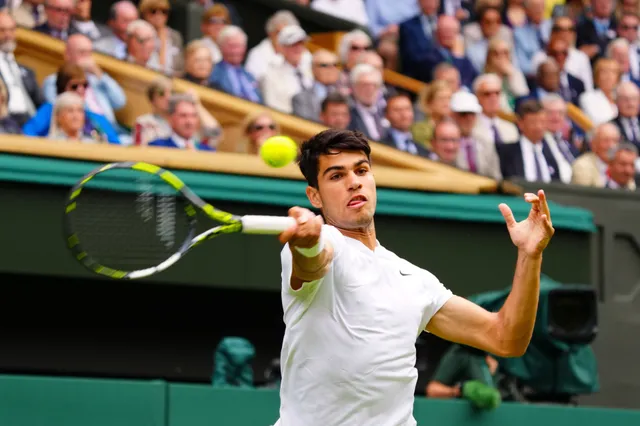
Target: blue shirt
<point x="383" y="13"/>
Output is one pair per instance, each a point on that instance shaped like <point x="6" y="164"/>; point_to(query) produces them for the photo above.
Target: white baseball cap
<point x="291" y="35"/>
<point x="463" y="101"/>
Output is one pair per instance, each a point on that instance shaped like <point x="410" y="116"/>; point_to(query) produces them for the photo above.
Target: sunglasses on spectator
<point x="326" y="64"/>
<point x="500" y="52"/>
<point x="559" y="52"/>
<point x="628" y="27"/>
<point x="76" y="86"/>
<point x="490" y="92"/>
<point x="156" y="11"/>
<point x="355" y="47"/>
<point x="491" y="21"/>
<point x="259" y="127"/>
<point x="217" y="21"/>
<point x="142" y="39"/>
<point x="59" y="9"/>
<point x="559" y="28"/>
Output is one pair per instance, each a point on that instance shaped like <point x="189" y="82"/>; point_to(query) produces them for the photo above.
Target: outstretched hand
<point x="533" y="234"/>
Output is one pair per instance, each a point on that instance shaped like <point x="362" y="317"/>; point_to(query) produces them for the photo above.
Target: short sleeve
<point x="436" y="295"/>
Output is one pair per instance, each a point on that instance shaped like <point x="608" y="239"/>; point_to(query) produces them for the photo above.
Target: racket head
<point x="131" y="220"/>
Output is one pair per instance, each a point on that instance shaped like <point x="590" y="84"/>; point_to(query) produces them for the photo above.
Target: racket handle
<point x="266" y="224"/>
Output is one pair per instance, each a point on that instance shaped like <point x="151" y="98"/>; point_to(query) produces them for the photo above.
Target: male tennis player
<point x="353" y="309"/>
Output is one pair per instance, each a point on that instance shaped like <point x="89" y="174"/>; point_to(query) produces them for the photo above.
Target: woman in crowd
<point x="257" y="128"/>
<point x="435" y="100"/>
<point x="213" y="21"/>
<point x="71" y="78"/>
<point x="514" y="84"/>
<point x="169" y="44"/>
<point x="68" y="120"/>
<point x="8" y="123"/>
<point x="198" y="63"/>
<point x="600" y="104"/>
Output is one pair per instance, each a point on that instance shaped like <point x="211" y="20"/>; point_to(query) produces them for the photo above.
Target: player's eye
<point x="363" y="171"/>
<point x="335" y="176"/>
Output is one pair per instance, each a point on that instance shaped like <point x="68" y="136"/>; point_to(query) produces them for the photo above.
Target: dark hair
<point x="481" y="10"/>
<point x="395" y="94"/>
<point x="66" y="73"/>
<point x="528" y="106"/>
<point x="334" y="98"/>
<point x="328" y="142"/>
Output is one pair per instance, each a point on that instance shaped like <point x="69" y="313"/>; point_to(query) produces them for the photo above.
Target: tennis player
<point x="353" y="309"/>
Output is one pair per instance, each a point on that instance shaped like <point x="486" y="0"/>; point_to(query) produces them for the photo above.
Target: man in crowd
<point x="326" y="73"/>
<point x="121" y="14"/>
<point x="445" y="145"/>
<point x="591" y="168"/>
<point x="399" y="113"/>
<point x="621" y="174"/>
<point x="334" y="111"/>
<point x="58" y="21"/>
<point x="366" y="115"/>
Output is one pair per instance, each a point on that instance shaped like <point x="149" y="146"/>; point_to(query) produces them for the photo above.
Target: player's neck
<point x="366" y="236"/>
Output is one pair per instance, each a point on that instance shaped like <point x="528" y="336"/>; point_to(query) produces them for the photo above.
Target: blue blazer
<point x="220" y="79"/>
<point x="41" y="122"/>
<point x="169" y="143"/>
<point x="414" y="46"/>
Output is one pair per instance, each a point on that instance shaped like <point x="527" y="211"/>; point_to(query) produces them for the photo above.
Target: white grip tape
<point x="266" y="224"/>
<point x="312" y="251"/>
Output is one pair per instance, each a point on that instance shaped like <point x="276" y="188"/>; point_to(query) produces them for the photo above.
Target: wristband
<point x="312" y="251"/>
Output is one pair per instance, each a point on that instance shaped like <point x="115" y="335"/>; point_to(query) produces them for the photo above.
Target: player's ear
<point x="314" y="197"/>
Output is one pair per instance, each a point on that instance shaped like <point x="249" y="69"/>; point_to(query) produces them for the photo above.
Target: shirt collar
<point x="182" y="142"/>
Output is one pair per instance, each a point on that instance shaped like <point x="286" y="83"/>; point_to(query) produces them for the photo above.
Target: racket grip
<point x="266" y="224"/>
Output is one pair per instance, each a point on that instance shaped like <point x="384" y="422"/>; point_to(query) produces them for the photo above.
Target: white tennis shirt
<point x="348" y="355"/>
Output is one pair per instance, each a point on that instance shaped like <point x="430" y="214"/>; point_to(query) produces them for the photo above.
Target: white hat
<point x="463" y="101"/>
<point x="291" y="35"/>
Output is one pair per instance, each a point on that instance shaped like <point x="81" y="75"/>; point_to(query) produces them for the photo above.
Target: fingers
<point x="544" y="206"/>
<point x="306" y="231"/>
<point x="547" y="224"/>
<point x="507" y="214"/>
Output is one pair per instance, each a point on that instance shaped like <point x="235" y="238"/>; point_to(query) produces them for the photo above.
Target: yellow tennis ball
<point x="278" y="151"/>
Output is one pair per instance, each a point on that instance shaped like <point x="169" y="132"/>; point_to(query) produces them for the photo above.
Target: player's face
<point x="346" y="190"/>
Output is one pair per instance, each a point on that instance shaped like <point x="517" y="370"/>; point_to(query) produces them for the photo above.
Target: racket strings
<point x="131" y="230"/>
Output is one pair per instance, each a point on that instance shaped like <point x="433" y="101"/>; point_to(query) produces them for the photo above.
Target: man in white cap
<point x="283" y="81"/>
<point x="473" y="155"/>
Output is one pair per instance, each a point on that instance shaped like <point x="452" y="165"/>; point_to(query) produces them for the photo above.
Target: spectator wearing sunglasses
<point x="58" y="13"/>
<point x="214" y="20"/>
<point x="628" y="30"/>
<point x="307" y="104"/>
<point x="352" y="45"/>
<point x="168" y="44"/>
<point x="257" y="128"/>
<point x="141" y="51"/>
<point x="71" y="78"/>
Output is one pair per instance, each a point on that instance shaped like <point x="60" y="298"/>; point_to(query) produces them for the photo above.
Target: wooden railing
<point x="45" y="54"/>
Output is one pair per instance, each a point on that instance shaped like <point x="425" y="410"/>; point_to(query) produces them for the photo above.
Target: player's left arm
<point x="507" y="332"/>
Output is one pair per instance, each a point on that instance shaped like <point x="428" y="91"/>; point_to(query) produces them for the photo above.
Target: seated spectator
<point x="155" y="125"/>
<point x="83" y="24"/>
<point x="570" y="87"/>
<point x="121" y="14"/>
<point x="198" y="63"/>
<point x="445" y="145"/>
<point x="71" y="78"/>
<point x="209" y="131"/>
<point x="621" y="172"/>
<point x="478" y="34"/>
<point x="306" y="104"/>
<point x="185" y="123"/>
<point x="58" y="13"/>
<point x="24" y="94"/>
<point x="416" y="37"/>
<point x="399" y="113"/>
<point x="334" y="111"/>
<point x="141" y="48"/>
<point x="8" y="123"/>
<point x="547" y="80"/>
<point x="213" y="21"/>
<point x="618" y="50"/>
<point x="532" y="158"/>
<point x="104" y="95"/>
<point x="514" y="85"/>
<point x="385" y="16"/>
<point x="352" y="45"/>
<point x="628" y="30"/>
<point x="514" y="13"/>
<point x="168" y="42"/>
<point x="435" y="100"/>
<point x="489" y="127"/>
<point x="590" y="169"/>
<point x="575" y="63"/>
<point x="476" y="156"/>
<point x="596" y="28"/>
<point x="532" y="36"/>
<point x="372" y="58"/>
<point x="229" y="75"/>
<point x="68" y="120"/>
<point x="349" y="10"/>
<point x="628" y="103"/>
<point x="599" y="105"/>
<point x="366" y="116"/>
<point x="257" y="128"/>
<point x="285" y="80"/>
<point x="447" y="72"/>
<point x="30" y="13"/>
<point x="560" y="132"/>
<point x="267" y="52"/>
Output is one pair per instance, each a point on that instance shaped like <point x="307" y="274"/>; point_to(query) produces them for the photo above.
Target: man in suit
<point x="570" y="87"/>
<point x="560" y="132"/>
<point x="185" y="123"/>
<point x="476" y="156"/>
<point x="83" y="24"/>
<point x="591" y="168"/>
<point x="531" y="37"/>
<point x="324" y="65"/>
<point x="445" y="144"/>
<point x="22" y="87"/>
<point x="229" y="75"/>
<point x="141" y="45"/>
<point x="334" y="111"/>
<point x="621" y="173"/>
<point x="58" y="22"/>
<point x="399" y="113"/>
<point x="549" y="78"/>
<point x="531" y="157"/>
<point x="491" y="129"/>
<point x="366" y="115"/>
<point x="596" y="31"/>
<point x="618" y="50"/>
<point x="121" y="14"/>
<point x="30" y="13"/>
<point x="416" y="38"/>
<point x="628" y="120"/>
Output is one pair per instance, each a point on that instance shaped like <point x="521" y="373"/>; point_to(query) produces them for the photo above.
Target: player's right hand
<point x="306" y="232"/>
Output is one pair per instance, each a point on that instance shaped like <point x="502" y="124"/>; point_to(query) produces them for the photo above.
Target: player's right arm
<point x="311" y="254"/>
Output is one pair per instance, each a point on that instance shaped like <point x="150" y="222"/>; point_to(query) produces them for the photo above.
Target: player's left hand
<point x="533" y="234"/>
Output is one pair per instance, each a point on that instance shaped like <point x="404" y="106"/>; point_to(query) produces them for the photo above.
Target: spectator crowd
<point x="510" y="84"/>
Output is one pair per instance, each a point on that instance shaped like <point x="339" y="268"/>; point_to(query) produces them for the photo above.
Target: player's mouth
<point x="357" y="202"/>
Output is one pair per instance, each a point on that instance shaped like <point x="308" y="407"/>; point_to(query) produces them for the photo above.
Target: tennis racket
<point x="130" y="220"/>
